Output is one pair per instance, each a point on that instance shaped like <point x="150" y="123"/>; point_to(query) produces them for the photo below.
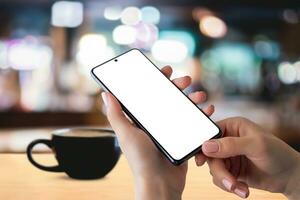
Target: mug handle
<point x="48" y="143"/>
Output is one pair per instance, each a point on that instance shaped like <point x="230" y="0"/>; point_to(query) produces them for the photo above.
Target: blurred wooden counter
<point x="20" y="180"/>
<point x="47" y="119"/>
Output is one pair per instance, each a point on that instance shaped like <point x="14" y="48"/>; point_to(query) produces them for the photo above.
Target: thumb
<point x="227" y="147"/>
<point x="117" y="119"/>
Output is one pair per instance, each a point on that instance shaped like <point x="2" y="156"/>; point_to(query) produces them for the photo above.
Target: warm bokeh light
<point x="212" y="26"/>
<point x="131" y="16"/>
<point x="124" y="34"/>
<point x="67" y="14"/>
<point x="93" y="50"/>
<point x="200" y="12"/>
<point x="91" y="41"/>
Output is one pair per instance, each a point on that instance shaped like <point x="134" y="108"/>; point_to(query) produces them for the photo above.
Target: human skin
<point x="154" y="176"/>
<point x="248" y="156"/>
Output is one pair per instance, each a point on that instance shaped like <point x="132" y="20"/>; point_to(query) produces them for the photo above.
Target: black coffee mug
<point x="82" y="153"/>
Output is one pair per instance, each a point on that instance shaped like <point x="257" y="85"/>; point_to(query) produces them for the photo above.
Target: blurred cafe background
<point x="244" y="54"/>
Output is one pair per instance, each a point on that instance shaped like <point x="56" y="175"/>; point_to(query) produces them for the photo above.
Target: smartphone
<point x="174" y="123"/>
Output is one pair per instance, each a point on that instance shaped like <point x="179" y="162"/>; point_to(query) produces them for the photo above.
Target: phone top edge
<point x="92" y="70"/>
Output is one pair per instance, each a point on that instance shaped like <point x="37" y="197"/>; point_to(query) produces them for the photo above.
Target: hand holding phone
<point x="154" y="175"/>
<point x="173" y="122"/>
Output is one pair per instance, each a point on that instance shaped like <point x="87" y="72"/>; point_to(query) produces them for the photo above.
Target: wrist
<point x="155" y="188"/>
<point x="292" y="190"/>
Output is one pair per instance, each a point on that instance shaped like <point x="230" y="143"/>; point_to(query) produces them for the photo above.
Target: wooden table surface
<point x="20" y="180"/>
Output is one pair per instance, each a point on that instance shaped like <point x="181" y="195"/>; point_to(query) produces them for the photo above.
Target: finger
<point x="221" y="177"/>
<point x="116" y="117"/>
<point x="242" y="190"/>
<point x="209" y="110"/>
<point x="228" y="147"/>
<point x="198" y="97"/>
<point x="167" y="71"/>
<point x="238" y="126"/>
<point x="182" y="82"/>
<point x="200" y="159"/>
<point x="225" y="180"/>
<point x="235" y="169"/>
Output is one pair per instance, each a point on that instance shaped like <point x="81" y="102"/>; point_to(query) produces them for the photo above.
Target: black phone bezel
<point x="169" y="157"/>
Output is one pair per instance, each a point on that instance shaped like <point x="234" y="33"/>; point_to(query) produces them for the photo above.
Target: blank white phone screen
<point x="166" y="113"/>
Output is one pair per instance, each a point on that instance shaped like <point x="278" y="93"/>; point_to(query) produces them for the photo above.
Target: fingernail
<point x="227" y="184"/>
<point x="210" y="147"/>
<point x="104" y="98"/>
<point x="240" y="193"/>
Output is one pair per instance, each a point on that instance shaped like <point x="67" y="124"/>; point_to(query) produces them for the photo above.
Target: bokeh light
<point x="290" y="16"/>
<point x="92" y="41"/>
<point x="27" y="54"/>
<point x="3" y="55"/>
<point x="146" y="35"/>
<point x="235" y="62"/>
<point x="150" y="14"/>
<point x="92" y="51"/>
<point x="200" y="12"/>
<point x="212" y="26"/>
<point x="124" y="34"/>
<point x="182" y="36"/>
<point x="173" y="46"/>
<point x="287" y="73"/>
<point x="169" y="51"/>
<point x="67" y="14"/>
<point x="112" y="13"/>
<point x="267" y="49"/>
<point x="131" y="16"/>
<point x="297" y="67"/>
